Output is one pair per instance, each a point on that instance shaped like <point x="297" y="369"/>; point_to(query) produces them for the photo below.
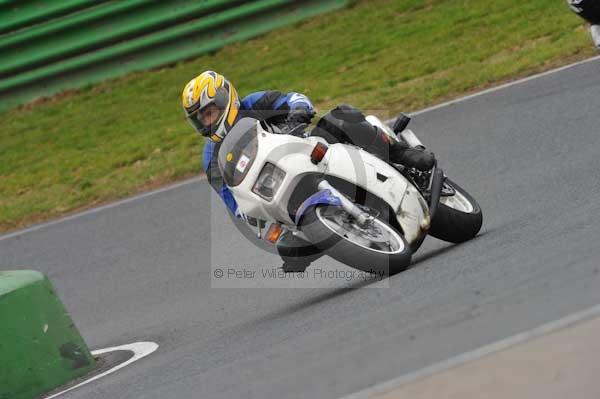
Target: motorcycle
<point x="341" y="200"/>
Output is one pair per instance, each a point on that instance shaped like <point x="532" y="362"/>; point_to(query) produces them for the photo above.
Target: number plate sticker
<point x="242" y="163"/>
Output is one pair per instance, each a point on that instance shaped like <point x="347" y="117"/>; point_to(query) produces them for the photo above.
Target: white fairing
<point x="408" y="135"/>
<point x="289" y="153"/>
<point x="362" y="169"/>
<point x="347" y="162"/>
<point x="375" y="121"/>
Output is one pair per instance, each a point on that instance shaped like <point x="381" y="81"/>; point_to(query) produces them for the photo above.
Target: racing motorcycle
<point x="341" y="200"/>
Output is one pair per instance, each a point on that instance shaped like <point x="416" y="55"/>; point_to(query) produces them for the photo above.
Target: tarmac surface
<point x="142" y="270"/>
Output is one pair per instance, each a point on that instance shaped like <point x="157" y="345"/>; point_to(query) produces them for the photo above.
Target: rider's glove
<point x="297" y="121"/>
<point x="298" y="116"/>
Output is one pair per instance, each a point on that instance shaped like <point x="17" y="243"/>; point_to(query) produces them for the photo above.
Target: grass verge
<point x="126" y="135"/>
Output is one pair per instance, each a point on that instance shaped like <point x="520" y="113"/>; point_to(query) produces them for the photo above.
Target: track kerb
<point x="40" y="347"/>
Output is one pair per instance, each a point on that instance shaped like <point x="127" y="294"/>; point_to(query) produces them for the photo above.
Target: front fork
<point x="349" y="206"/>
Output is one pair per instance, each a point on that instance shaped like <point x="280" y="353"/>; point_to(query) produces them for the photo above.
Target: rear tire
<point x="315" y="226"/>
<point x="458" y="218"/>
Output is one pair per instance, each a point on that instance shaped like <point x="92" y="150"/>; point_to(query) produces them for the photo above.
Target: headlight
<point x="268" y="181"/>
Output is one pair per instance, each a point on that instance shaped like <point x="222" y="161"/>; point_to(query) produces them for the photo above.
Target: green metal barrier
<point x="113" y="38"/>
<point x="104" y="25"/>
<point x="20" y="14"/>
<point x="69" y="22"/>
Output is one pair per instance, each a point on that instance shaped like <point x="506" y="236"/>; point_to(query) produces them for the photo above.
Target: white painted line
<point x="139" y="349"/>
<point x="101" y="208"/>
<point x="468" y="357"/>
<point x="196" y="179"/>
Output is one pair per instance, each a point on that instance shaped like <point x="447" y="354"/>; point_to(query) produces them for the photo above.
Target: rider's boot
<point x="347" y="124"/>
<point x="417" y="157"/>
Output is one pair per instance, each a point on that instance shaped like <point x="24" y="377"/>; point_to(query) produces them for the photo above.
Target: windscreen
<point x="238" y="151"/>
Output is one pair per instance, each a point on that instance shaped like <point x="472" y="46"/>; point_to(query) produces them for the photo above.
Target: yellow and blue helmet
<point x="211" y="105"/>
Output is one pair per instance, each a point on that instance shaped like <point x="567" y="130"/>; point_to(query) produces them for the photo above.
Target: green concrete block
<point x="40" y="347"/>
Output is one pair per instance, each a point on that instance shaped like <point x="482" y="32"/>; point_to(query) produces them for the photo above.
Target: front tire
<point x="379" y="248"/>
<point x="458" y="217"/>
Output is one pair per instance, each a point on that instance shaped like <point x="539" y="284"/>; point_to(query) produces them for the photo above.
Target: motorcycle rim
<point x="458" y="201"/>
<point x="377" y="236"/>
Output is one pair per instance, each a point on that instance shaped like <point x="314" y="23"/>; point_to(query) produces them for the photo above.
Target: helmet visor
<point x="206" y="120"/>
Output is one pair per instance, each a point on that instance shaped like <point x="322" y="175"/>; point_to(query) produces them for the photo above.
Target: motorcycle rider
<point x="212" y="106"/>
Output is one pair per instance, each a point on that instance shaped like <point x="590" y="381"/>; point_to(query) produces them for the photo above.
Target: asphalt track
<point x="141" y="271"/>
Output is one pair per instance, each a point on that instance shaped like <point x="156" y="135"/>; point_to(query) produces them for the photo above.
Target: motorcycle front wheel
<point x="375" y="247"/>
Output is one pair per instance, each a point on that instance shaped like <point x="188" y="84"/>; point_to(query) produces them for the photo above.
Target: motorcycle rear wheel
<point x="458" y="217"/>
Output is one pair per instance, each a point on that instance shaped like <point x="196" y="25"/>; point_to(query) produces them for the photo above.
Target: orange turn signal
<point x="318" y="153"/>
<point x="273" y="233"/>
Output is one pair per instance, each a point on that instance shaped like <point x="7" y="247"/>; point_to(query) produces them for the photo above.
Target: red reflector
<point x="318" y="153"/>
